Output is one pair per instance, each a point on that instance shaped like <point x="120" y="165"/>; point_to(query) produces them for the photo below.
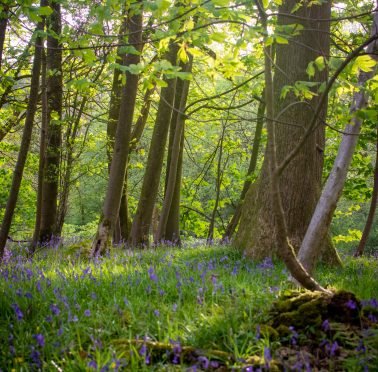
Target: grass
<point x="61" y="312"/>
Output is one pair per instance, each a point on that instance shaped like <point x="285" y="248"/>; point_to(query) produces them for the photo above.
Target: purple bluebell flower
<point x="267" y="356"/>
<point x="157" y="313"/>
<point x="326" y="326"/>
<point x="87" y="312"/>
<point x="351" y="305"/>
<point x="54" y="309"/>
<point x="35" y="357"/>
<point x="18" y="312"/>
<point x="40" y="339"/>
<point x="92" y="364"/>
<point x="152" y="274"/>
<point x="203" y="362"/>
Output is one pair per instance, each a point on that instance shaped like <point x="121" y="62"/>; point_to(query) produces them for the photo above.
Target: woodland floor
<point x="194" y="308"/>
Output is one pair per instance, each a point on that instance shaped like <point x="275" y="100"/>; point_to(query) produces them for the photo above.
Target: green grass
<point x="210" y="298"/>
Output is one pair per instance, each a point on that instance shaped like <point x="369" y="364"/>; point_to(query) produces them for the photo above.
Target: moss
<point x="269" y="332"/>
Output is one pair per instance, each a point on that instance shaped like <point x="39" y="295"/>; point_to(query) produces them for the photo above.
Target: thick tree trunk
<point x="42" y="154"/>
<point x="123" y="134"/>
<point x="286" y="251"/>
<point x="300" y="183"/>
<point x="373" y="206"/>
<point x="25" y="142"/>
<point x="173" y="165"/>
<point x="140" y="229"/>
<point x="333" y="188"/>
<point x="232" y="225"/>
<point x="54" y="117"/>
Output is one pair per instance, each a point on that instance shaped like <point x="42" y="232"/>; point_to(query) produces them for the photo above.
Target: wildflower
<point x="54" y="309"/>
<point x="174" y="307"/>
<point x="204" y="362"/>
<point x="267" y="357"/>
<point x="326" y="326"/>
<point x="35" y="357"/>
<point x="87" y="312"/>
<point x="40" y="339"/>
<point x="18" y="312"/>
<point x="92" y="364"/>
<point x="351" y="305"/>
<point x="156" y="313"/>
<point x="152" y="274"/>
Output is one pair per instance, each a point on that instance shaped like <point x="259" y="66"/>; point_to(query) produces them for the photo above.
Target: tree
<point x="140" y="229"/>
<point x="303" y="42"/>
<point x="123" y="135"/>
<point x="54" y="92"/>
<point x="26" y="138"/>
<point x="331" y="193"/>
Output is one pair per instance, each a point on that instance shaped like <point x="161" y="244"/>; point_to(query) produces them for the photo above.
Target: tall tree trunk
<point x="54" y="117"/>
<point x="173" y="166"/>
<point x="122" y="139"/>
<point x="4" y="13"/>
<point x="231" y="227"/>
<point x="25" y="142"/>
<point x="333" y="188"/>
<point x="300" y="183"/>
<point x="42" y="154"/>
<point x="124" y="218"/>
<point x="142" y="221"/>
<point x="373" y="206"/>
<point x="286" y="251"/>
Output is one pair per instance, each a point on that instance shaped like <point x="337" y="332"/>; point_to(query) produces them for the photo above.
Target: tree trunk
<point x="4" y="13"/>
<point x="333" y="188"/>
<point x="25" y="142"/>
<point x="123" y="134"/>
<point x="142" y="221"/>
<point x="173" y="166"/>
<point x="300" y="183"/>
<point x="286" y="251"/>
<point x="54" y="117"/>
<point x="42" y="154"/>
<point x="232" y="225"/>
<point x="373" y="206"/>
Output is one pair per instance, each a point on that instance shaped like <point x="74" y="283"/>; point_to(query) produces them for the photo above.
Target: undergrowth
<point x="63" y="312"/>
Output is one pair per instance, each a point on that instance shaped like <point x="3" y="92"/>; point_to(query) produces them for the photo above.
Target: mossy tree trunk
<point x="54" y="91"/>
<point x="300" y="183"/>
<point x="140" y="229"/>
<point x="174" y="165"/>
<point x="118" y="166"/>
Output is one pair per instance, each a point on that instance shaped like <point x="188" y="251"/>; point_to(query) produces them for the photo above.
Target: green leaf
<point x="364" y="63"/>
<point x="320" y="63"/>
<point x="281" y="40"/>
<point x="218" y="36"/>
<point x="45" y="11"/>
<point x="265" y="3"/>
<point x="310" y="70"/>
<point x="183" y="56"/>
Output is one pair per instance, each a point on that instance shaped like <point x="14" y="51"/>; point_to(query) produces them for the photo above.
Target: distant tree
<point x="26" y="137"/>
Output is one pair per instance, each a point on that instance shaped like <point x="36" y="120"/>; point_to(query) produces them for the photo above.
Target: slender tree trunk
<point x="322" y="217"/>
<point x="4" y="13"/>
<point x="373" y="206"/>
<point x="142" y="221"/>
<point x="124" y="218"/>
<point x="42" y="154"/>
<point x="210" y="234"/>
<point x="54" y="117"/>
<point x="122" y="139"/>
<point x="25" y="142"/>
<point x="300" y="183"/>
<point x="173" y="162"/>
<point x="232" y="225"/>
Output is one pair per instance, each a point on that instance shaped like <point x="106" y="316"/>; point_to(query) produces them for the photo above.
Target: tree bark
<point x="232" y="225"/>
<point x="4" y="14"/>
<point x="300" y="183"/>
<point x="373" y="206"/>
<point x="333" y="188"/>
<point x="286" y="251"/>
<point x="142" y="221"/>
<point x="54" y="117"/>
<point x="123" y="134"/>
<point x="173" y="165"/>
<point x="25" y="142"/>
<point x="42" y="154"/>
